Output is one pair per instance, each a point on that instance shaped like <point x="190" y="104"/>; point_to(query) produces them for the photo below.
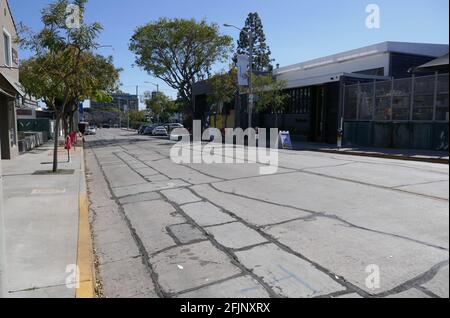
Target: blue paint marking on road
<point x="298" y="279"/>
<point x="290" y="276"/>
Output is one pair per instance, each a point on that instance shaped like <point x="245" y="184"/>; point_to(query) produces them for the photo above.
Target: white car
<point x="92" y="130"/>
<point x="159" y="131"/>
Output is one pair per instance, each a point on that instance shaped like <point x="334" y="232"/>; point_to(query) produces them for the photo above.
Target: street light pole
<point x="155" y="84"/>
<point x="128" y="114"/>
<point x="250" y="75"/>
<point x="250" y="83"/>
<point x="120" y="114"/>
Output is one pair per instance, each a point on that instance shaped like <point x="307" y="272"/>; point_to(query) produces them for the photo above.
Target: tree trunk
<point x="55" y="149"/>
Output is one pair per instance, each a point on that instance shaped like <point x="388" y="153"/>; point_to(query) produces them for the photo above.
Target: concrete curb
<point x="384" y="156"/>
<point x="85" y="257"/>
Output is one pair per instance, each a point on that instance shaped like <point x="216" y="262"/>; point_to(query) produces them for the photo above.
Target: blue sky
<point x="296" y="30"/>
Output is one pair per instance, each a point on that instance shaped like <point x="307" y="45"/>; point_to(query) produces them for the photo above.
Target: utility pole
<point x="120" y="114"/>
<point x="3" y="280"/>
<point x="251" y="99"/>
<point x="128" y="114"/>
<point x="250" y="83"/>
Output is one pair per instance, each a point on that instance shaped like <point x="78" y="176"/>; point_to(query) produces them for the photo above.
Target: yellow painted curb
<point x="85" y="259"/>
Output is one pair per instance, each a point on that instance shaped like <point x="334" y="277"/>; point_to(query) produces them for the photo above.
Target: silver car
<point x="159" y="131"/>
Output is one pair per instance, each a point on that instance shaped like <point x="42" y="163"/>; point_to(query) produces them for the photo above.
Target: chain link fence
<point x="411" y="99"/>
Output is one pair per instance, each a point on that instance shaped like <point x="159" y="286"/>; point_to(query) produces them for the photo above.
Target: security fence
<point x="415" y="99"/>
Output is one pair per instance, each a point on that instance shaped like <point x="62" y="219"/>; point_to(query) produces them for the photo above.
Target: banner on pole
<point x="242" y="67"/>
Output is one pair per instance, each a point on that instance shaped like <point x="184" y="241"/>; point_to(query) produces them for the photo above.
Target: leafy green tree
<point x="59" y="73"/>
<point x="261" y="51"/>
<point x="270" y="95"/>
<point x="162" y="107"/>
<point x="180" y="52"/>
<point x="137" y="116"/>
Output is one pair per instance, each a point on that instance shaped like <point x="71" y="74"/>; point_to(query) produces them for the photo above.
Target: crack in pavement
<point x="326" y="215"/>
<point x="416" y="282"/>
<point x="145" y="257"/>
<point x="220" y="247"/>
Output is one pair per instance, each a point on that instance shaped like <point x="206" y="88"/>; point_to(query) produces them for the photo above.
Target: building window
<point x="7" y="45"/>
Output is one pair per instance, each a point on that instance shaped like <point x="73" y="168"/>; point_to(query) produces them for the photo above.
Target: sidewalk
<point x="388" y="153"/>
<point x="42" y="221"/>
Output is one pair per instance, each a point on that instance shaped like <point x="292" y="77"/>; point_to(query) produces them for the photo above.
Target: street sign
<point x="285" y="140"/>
<point x="242" y="67"/>
<point x="251" y="99"/>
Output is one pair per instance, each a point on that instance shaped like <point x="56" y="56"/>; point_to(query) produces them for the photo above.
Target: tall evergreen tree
<point x="261" y="51"/>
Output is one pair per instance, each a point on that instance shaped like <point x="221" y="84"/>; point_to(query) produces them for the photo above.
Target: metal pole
<point x="392" y="99"/>
<point x="436" y="80"/>
<point x="120" y="115"/>
<point x="413" y="92"/>
<point x="250" y="84"/>
<point x="128" y="114"/>
<point x="3" y="280"/>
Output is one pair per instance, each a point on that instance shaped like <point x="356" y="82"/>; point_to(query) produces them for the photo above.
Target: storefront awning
<point x="437" y="65"/>
<point x="13" y="84"/>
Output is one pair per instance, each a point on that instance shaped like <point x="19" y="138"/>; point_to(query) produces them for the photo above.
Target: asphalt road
<point x="323" y="225"/>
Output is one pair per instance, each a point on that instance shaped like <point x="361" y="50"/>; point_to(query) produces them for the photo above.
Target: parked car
<point x="149" y="130"/>
<point x="172" y="126"/>
<point x="106" y="126"/>
<point x="91" y="130"/>
<point x="160" y="131"/>
<point x="142" y="129"/>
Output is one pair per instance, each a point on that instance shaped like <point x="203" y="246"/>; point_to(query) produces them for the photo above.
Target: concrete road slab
<point x="206" y="214"/>
<point x="126" y="278"/>
<point x="339" y="225"/>
<point x="383" y="175"/>
<point x="403" y="214"/>
<point x="113" y="234"/>
<point x="105" y="221"/>
<point x="252" y="211"/>
<point x="122" y="176"/>
<point x="148" y="187"/>
<point x="286" y="274"/>
<point x="157" y="178"/>
<point x="187" y="267"/>
<point x="232" y="171"/>
<point x="348" y="251"/>
<point x="439" y="285"/>
<point x="150" y="196"/>
<point x="150" y="220"/>
<point x="411" y="293"/>
<point x="174" y="171"/>
<point x="181" y="196"/>
<point x="434" y="189"/>
<point x="350" y="296"/>
<point x="186" y="233"/>
<point x="146" y="171"/>
<point x="116" y="251"/>
<point x="240" y="287"/>
<point x="235" y="235"/>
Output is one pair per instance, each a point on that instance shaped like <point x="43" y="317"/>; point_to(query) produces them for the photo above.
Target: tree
<point x="180" y="52"/>
<point x="269" y="94"/>
<point x="224" y="88"/>
<point x="162" y="107"/>
<point x="64" y="70"/>
<point x="261" y="51"/>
